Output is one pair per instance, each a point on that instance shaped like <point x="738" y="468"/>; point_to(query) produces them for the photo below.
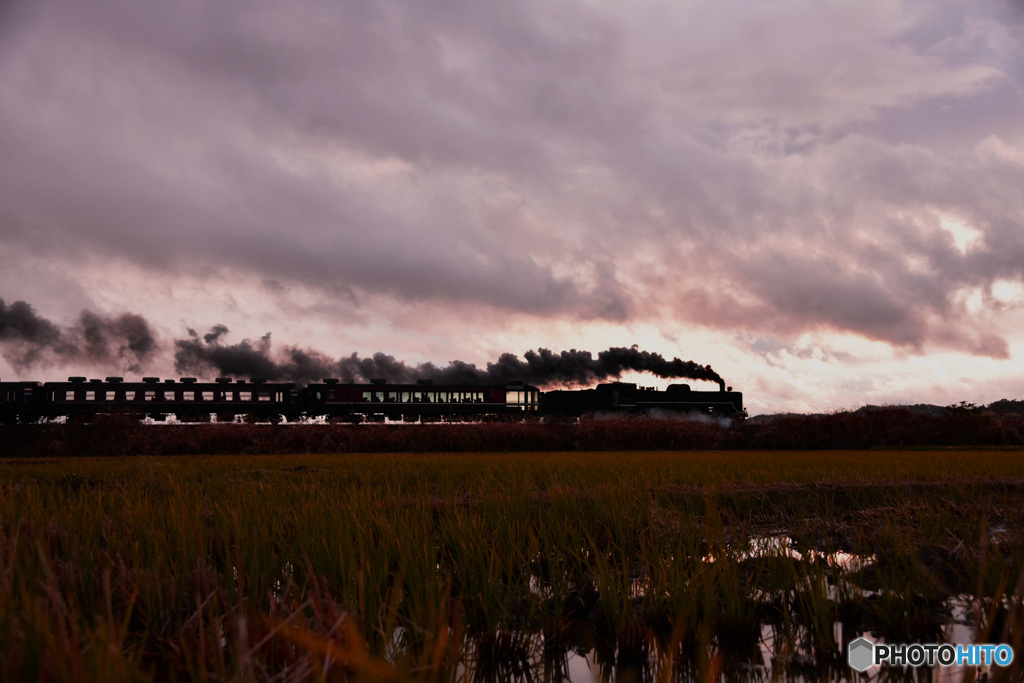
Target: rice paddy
<point x="504" y="566"/>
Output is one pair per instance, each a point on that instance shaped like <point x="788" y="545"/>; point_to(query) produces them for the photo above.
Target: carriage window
<point x="69" y="396"/>
<point x="515" y="399"/>
<point x="150" y="395"/>
<point x="188" y="396"/>
<point x="90" y="396"/>
<point x="207" y="395"/>
<point x="130" y="395"/>
<point x="392" y="396"/>
<point x="264" y="396"/>
<point x="244" y="395"/>
<point x="111" y="395"/>
<point x="228" y="396"/>
<point x="330" y="394"/>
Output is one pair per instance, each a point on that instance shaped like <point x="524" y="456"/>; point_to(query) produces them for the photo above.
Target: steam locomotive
<point x="258" y="400"/>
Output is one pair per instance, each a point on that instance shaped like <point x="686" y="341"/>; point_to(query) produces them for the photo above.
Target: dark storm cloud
<point x="123" y="342"/>
<point x="780" y="167"/>
<point x="542" y="367"/>
<point x="365" y="77"/>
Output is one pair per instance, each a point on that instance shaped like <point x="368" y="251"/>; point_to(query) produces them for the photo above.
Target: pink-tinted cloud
<point x="780" y="168"/>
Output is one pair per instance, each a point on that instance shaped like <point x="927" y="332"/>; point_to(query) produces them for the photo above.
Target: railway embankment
<point x="867" y="428"/>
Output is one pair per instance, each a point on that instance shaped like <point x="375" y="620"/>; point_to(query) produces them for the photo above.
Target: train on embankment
<point x="226" y="400"/>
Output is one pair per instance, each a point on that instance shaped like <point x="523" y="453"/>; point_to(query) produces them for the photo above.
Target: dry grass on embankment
<point x="887" y="427"/>
<point x="501" y="565"/>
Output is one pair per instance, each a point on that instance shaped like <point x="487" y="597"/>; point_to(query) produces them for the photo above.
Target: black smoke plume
<point x="124" y="342"/>
<point x="206" y="355"/>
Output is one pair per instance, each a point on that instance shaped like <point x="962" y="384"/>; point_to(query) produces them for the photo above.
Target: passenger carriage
<point x="422" y="401"/>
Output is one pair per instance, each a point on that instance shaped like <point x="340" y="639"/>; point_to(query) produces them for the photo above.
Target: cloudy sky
<point x="823" y="200"/>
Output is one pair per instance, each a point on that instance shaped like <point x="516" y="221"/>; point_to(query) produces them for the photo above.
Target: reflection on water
<point x="784" y="638"/>
<point x="581" y="659"/>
